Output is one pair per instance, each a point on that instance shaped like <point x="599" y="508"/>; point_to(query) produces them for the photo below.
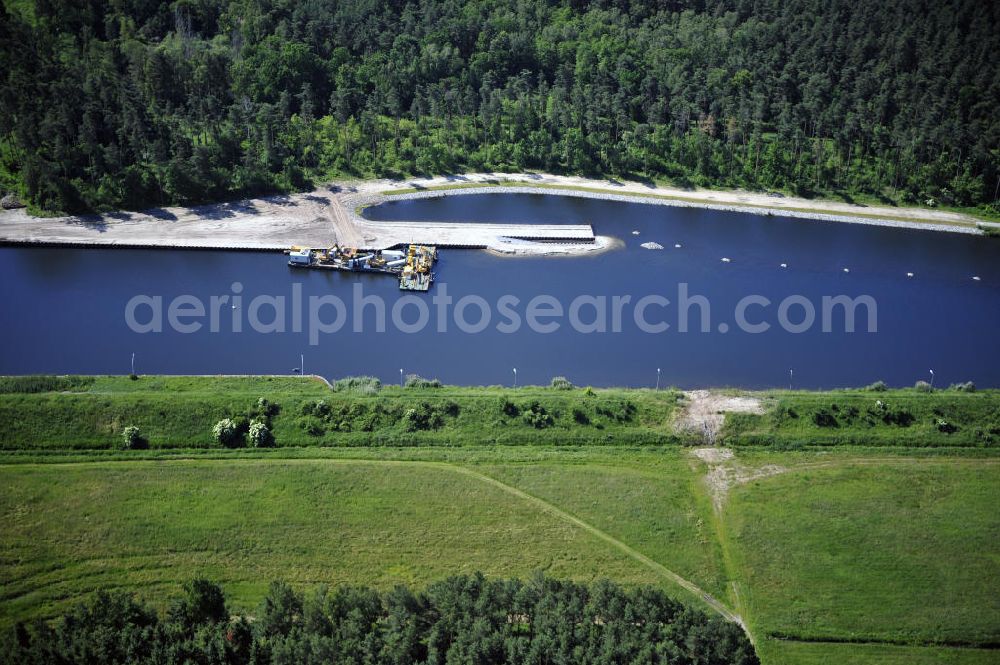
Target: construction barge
<point x="412" y="266"/>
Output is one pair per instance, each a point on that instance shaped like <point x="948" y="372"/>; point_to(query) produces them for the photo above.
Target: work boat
<point x="412" y="266"/>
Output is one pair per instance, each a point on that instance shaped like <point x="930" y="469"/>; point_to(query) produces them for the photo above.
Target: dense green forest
<point x="137" y="102"/>
<point x="459" y="620"/>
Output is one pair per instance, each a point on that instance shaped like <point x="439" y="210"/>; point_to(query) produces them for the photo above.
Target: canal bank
<point x="321" y="218"/>
<point x="335" y="214"/>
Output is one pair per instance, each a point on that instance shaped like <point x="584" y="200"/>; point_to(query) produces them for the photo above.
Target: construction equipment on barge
<point x="413" y="267"/>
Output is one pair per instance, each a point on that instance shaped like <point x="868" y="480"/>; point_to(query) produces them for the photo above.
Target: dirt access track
<point x="330" y="215"/>
<point x="704" y="411"/>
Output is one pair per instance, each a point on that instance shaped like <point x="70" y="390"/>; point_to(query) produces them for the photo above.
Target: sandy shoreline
<point x="951" y="227"/>
<point x="730" y="200"/>
<point x="330" y="214"/>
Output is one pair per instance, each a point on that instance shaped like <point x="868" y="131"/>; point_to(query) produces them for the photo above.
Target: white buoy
<point x="677" y="245"/>
<point x="784" y="265"/>
<point x="725" y="259"/>
<point x="976" y="278"/>
<point x="635" y="233"/>
<point x="909" y="274"/>
<point x="847" y="270"/>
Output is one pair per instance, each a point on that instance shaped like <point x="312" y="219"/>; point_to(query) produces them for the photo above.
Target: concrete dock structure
<point x="317" y="219"/>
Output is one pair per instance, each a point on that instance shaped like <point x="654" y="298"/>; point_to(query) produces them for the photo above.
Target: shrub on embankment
<point x="908" y="417"/>
<point x="180" y="412"/>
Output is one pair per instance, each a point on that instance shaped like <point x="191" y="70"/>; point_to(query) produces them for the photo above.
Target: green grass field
<point x="850" y="546"/>
<point x="880" y="551"/>
<point x="652" y="503"/>
<point x="70" y="530"/>
<point x="896" y="550"/>
<point x="797" y="653"/>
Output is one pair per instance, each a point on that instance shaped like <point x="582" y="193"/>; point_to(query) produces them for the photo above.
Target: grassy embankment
<point x="884" y="555"/>
<point x="179" y="412"/>
<point x="909" y="417"/>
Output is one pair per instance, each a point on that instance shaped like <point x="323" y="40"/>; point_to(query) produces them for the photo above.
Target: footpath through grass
<point x="852" y="533"/>
<point x="842" y="546"/>
<point x="653" y="503"/>
<point x="70" y="530"/>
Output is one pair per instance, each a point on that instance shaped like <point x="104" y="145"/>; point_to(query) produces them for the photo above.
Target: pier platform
<point x="472" y="235"/>
<point x="317" y="219"/>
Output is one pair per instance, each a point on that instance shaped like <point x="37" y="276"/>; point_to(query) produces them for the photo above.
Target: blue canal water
<point x="64" y="310"/>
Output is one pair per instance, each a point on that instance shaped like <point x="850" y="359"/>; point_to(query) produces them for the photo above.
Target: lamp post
<point x="515" y="377"/>
<point x="302" y="364"/>
<point x="791" y="375"/>
<point x="657" y="378"/>
<point x="133" y="363"/>
<point x="932" y="378"/>
<point x="400" y="377"/>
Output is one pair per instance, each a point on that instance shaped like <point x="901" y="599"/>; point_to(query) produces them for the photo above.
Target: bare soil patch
<point x="704" y="412"/>
<point x="725" y="471"/>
